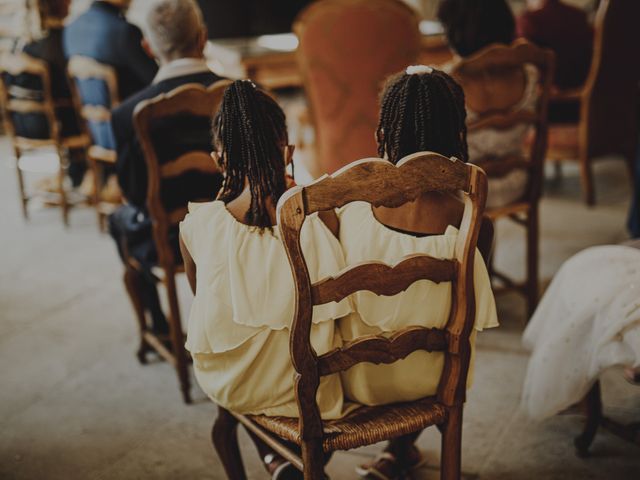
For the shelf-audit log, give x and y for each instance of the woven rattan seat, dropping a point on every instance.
(364, 426)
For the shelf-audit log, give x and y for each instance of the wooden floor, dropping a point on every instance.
(75, 404)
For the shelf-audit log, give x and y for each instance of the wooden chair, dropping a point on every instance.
(481, 76)
(380, 183)
(347, 48)
(15, 103)
(97, 116)
(608, 99)
(165, 112)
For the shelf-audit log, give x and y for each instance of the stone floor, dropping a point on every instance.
(75, 403)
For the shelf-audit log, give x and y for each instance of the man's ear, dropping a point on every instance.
(147, 48)
(202, 40)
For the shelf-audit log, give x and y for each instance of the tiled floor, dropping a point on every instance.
(75, 403)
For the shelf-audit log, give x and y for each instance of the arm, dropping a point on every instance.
(189, 265)
(130, 163)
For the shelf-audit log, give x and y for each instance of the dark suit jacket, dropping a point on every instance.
(103, 33)
(49, 49)
(565, 30)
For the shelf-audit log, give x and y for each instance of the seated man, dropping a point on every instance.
(49, 49)
(565, 30)
(176, 37)
(103, 33)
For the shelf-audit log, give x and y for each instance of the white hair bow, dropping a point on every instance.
(417, 69)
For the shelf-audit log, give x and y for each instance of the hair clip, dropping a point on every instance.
(418, 69)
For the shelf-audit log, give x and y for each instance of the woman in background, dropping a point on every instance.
(238, 331)
(470, 26)
(422, 109)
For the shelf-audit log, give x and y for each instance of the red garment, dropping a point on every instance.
(566, 31)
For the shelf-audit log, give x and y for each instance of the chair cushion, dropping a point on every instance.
(363, 426)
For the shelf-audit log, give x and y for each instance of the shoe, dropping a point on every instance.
(111, 192)
(387, 467)
(48, 184)
(88, 185)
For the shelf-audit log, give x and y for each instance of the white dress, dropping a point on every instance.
(587, 321)
(424, 303)
(240, 319)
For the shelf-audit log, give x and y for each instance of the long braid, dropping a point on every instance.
(250, 128)
(422, 111)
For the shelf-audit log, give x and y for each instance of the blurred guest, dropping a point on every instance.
(633, 223)
(587, 321)
(104, 34)
(565, 30)
(470, 26)
(176, 36)
(49, 49)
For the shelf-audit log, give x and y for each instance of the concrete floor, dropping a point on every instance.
(75, 403)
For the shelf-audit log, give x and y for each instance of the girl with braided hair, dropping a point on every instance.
(238, 331)
(422, 109)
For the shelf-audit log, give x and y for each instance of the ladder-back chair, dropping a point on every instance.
(38, 104)
(94, 88)
(347, 49)
(608, 121)
(179, 174)
(480, 76)
(379, 183)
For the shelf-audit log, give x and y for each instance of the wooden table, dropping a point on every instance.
(270, 60)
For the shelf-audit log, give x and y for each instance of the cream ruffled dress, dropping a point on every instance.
(424, 303)
(238, 331)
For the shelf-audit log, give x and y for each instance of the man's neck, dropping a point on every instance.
(166, 61)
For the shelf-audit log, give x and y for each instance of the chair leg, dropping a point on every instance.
(96, 193)
(224, 436)
(64, 203)
(533, 239)
(132, 284)
(313, 460)
(177, 337)
(586, 176)
(450, 467)
(23, 195)
(593, 404)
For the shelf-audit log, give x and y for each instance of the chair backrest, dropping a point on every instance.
(94, 88)
(19, 102)
(381, 183)
(347, 48)
(609, 107)
(494, 82)
(174, 130)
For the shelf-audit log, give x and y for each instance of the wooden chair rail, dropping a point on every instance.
(200, 161)
(383, 279)
(378, 349)
(26, 106)
(506, 119)
(381, 183)
(506, 57)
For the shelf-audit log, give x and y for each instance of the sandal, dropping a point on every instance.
(280, 469)
(385, 466)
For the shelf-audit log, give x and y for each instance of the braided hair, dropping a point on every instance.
(250, 129)
(422, 111)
